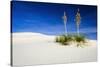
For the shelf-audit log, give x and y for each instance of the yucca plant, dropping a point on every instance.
(65, 22)
(78, 20)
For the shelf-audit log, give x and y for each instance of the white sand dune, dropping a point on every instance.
(36, 48)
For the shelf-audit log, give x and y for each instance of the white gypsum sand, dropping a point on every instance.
(36, 48)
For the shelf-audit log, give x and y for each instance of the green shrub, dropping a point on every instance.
(80, 39)
(57, 39)
(66, 39)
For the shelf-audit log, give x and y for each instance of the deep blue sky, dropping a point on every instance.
(46, 18)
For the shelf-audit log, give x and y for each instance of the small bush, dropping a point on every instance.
(80, 39)
(57, 39)
(66, 39)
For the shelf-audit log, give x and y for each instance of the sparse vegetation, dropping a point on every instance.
(76, 38)
(80, 39)
(66, 39)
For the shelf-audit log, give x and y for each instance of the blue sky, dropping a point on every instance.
(46, 18)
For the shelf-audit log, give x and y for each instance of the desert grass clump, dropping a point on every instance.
(60, 39)
(68, 39)
(79, 39)
(64, 39)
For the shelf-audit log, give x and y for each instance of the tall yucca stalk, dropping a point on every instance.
(78, 20)
(65, 21)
